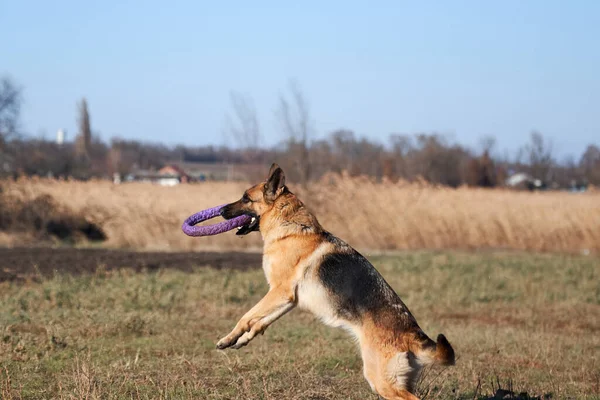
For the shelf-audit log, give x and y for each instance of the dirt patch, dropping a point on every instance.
(17, 264)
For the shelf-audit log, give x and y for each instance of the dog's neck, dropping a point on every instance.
(288, 217)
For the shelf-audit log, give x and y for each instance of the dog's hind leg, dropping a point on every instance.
(388, 391)
(275, 304)
(402, 395)
(391, 376)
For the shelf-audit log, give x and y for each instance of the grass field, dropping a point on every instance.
(521, 321)
(373, 216)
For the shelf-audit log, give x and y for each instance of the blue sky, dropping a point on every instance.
(163, 71)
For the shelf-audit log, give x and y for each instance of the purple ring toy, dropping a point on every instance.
(224, 226)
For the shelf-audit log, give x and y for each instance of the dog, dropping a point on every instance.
(308, 267)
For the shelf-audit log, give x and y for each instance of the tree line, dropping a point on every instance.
(425, 156)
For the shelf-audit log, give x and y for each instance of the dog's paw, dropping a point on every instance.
(226, 342)
(243, 340)
(240, 336)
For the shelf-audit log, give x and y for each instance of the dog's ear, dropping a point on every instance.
(275, 182)
(274, 166)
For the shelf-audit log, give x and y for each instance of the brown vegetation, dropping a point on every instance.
(40, 217)
(369, 215)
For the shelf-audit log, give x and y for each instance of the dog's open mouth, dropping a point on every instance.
(251, 226)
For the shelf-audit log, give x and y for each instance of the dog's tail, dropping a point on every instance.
(444, 353)
(440, 352)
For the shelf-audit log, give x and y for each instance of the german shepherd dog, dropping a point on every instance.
(308, 267)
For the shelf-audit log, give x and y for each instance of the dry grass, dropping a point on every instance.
(368, 215)
(41, 218)
(529, 322)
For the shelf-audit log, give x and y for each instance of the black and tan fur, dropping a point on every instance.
(308, 267)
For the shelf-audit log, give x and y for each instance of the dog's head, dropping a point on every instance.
(257, 200)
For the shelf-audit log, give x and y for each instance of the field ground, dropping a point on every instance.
(526, 322)
(35, 263)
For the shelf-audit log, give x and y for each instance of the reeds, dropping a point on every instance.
(367, 214)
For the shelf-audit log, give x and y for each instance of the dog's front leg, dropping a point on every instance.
(276, 303)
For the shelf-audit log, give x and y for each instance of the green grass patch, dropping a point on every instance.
(530, 322)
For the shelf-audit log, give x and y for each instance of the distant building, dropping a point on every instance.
(60, 136)
(221, 171)
(164, 179)
(522, 180)
(174, 171)
(185, 172)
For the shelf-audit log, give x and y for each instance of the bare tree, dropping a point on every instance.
(10, 107)
(481, 171)
(590, 164)
(243, 126)
(487, 143)
(86, 161)
(84, 139)
(294, 117)
(538, 153)
(401, 146)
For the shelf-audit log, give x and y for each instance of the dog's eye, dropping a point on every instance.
(245, 198)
